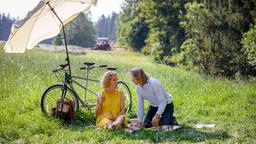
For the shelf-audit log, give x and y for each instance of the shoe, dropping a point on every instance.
(174, 127)
(168, 128)
(174, 121)
(133, 127)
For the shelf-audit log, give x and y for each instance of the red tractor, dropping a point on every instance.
(102, 44)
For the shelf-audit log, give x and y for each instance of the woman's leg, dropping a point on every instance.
(167, 116)
(104, 122)
(149, 116)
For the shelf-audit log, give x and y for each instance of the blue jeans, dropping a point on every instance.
(166, 119)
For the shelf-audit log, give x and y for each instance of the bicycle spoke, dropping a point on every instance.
(52, 95)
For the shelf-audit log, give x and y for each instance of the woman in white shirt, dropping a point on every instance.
(161, 104)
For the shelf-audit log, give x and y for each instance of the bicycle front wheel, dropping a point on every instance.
(121, 86)
(53, 94)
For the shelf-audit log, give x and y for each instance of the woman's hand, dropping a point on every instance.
(113, 117)
(155, 121)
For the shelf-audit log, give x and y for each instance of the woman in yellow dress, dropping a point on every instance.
(110, 108)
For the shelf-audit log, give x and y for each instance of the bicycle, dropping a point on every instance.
(67, 89)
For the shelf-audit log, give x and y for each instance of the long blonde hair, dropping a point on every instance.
(106, 78)
(139, 74)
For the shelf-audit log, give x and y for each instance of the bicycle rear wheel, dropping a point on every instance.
(52, 94)
(127, 94)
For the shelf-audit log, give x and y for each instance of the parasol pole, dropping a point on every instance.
(65, 41)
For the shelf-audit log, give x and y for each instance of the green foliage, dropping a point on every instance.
(58, 40)
(216, 30)
(249, 43)
(189, 54)
(138, 34)
(201, 33)
(124, 22)
(227, 103)
(131, 29)
(165, 33)
(6, 22)
(80, 32)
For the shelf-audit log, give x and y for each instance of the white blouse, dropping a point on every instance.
(154, 92)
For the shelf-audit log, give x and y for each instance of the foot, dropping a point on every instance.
(109, 126)
(116, 126)
(133, 127)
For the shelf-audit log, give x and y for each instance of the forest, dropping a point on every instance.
(215, 37)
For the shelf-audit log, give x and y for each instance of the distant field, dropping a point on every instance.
(230, 104)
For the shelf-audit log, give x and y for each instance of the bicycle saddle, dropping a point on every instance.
(111, 68)
(89, 63)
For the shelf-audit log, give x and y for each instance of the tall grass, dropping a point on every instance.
(230, 104)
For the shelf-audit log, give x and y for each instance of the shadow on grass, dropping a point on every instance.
(82, 120)
(187, 134)
(87, 120)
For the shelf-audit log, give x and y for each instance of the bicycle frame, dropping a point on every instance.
(70, 80)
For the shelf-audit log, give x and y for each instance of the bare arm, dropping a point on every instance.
(122, 105)
(100, 100)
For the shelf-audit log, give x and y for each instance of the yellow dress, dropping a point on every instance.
(111, 106)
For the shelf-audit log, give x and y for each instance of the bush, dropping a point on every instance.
(249, 44)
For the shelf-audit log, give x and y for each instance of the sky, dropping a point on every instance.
(19, 8)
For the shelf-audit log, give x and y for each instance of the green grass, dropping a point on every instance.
(230, 104)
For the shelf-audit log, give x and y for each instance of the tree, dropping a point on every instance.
(105, 26)
(112, 27)
(5, 26)
(216, 29)
(165, 33)
(101, 26)
(79, 32)
(249, 44)
(132, 30)
(58, 40)
(202, 33)
(138, 34)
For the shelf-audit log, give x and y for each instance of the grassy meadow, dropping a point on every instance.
(230, 104)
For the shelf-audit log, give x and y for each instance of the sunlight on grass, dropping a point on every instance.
(230, 104)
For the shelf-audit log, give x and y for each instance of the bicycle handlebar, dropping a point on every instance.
(61, 67)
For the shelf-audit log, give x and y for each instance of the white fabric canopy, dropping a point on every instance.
(41, 23)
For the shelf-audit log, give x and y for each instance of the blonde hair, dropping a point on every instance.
(139, 74)
(106, 78)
